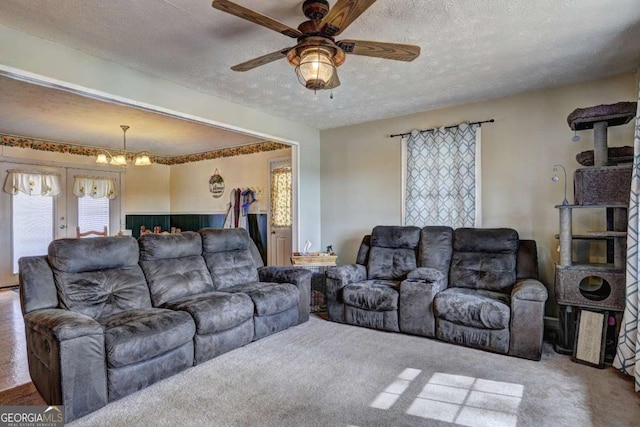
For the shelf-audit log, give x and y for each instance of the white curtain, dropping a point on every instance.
(443, 177)
(628, 352)
(95, 187)
(32, 183)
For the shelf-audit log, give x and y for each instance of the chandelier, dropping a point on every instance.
(122, 158)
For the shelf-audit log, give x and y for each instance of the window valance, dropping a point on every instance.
(95, 187)
(32, 183)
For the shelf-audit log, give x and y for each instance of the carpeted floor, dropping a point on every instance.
(328, 374)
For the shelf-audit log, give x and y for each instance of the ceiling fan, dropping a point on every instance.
(317, 55)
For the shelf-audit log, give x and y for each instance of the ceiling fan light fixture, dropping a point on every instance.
(317, 54)
(316, 68)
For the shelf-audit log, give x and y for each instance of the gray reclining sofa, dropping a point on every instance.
(475, 287)
(108, 316)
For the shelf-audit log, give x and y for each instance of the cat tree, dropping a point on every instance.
(604, 184)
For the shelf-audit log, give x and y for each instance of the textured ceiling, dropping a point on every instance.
(50, 114)
(471, 50)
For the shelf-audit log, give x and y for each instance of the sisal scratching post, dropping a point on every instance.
(601, 151)
(565, 236)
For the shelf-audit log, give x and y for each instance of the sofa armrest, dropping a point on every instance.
(529, 290)
(345, 274)
(67, 360)
(338, 278)
(426, 274)
(527, 319)
(284, 274)
(416, 302)
(62, 324)
(299, 277)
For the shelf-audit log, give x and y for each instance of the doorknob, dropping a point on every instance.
(62, 227)
(273, 232)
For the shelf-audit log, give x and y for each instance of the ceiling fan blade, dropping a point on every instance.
(255, 17)
(334, 82)
(262, 60)
(342, 14)
(396, 51)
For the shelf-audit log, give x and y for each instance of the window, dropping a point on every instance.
(94, 196)
(93, 214)
(281, 197)
(32, 225)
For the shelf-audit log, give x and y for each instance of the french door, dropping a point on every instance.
(30, 223)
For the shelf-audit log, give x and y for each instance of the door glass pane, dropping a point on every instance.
(32, 226)
(93, 214)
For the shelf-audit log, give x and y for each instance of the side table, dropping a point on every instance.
(318, 265)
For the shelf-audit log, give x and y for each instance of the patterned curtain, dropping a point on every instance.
(95, 187)
(442, 186)
(628, 352)
(281, 197)
(32, 183)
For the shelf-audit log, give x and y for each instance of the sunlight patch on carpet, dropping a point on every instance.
(468, 401)
(388, 397)
(462, 400)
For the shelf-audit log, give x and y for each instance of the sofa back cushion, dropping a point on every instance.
(174, 266)
(436, 248)
(393, 252)
(484, 258)
(527, 260)
(228, 256)
(98, 277)
(363, 252)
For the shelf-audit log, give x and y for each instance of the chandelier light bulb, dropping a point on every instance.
(105, 157)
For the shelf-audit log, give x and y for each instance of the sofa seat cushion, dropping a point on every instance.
(476, 308)
(269, 298)
(375, 295)
(142, 334)
(215, 311)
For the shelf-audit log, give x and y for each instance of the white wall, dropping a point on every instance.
(147, 190)
(361, 165)
(190, 181)
(24, 54)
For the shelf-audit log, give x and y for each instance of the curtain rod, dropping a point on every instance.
(446, 127)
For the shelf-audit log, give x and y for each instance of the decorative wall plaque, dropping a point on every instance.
(216, 184)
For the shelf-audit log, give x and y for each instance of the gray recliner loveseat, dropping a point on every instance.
(475, 287)
(108, 316)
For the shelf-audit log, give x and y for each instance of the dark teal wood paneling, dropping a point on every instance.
(185, 222)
